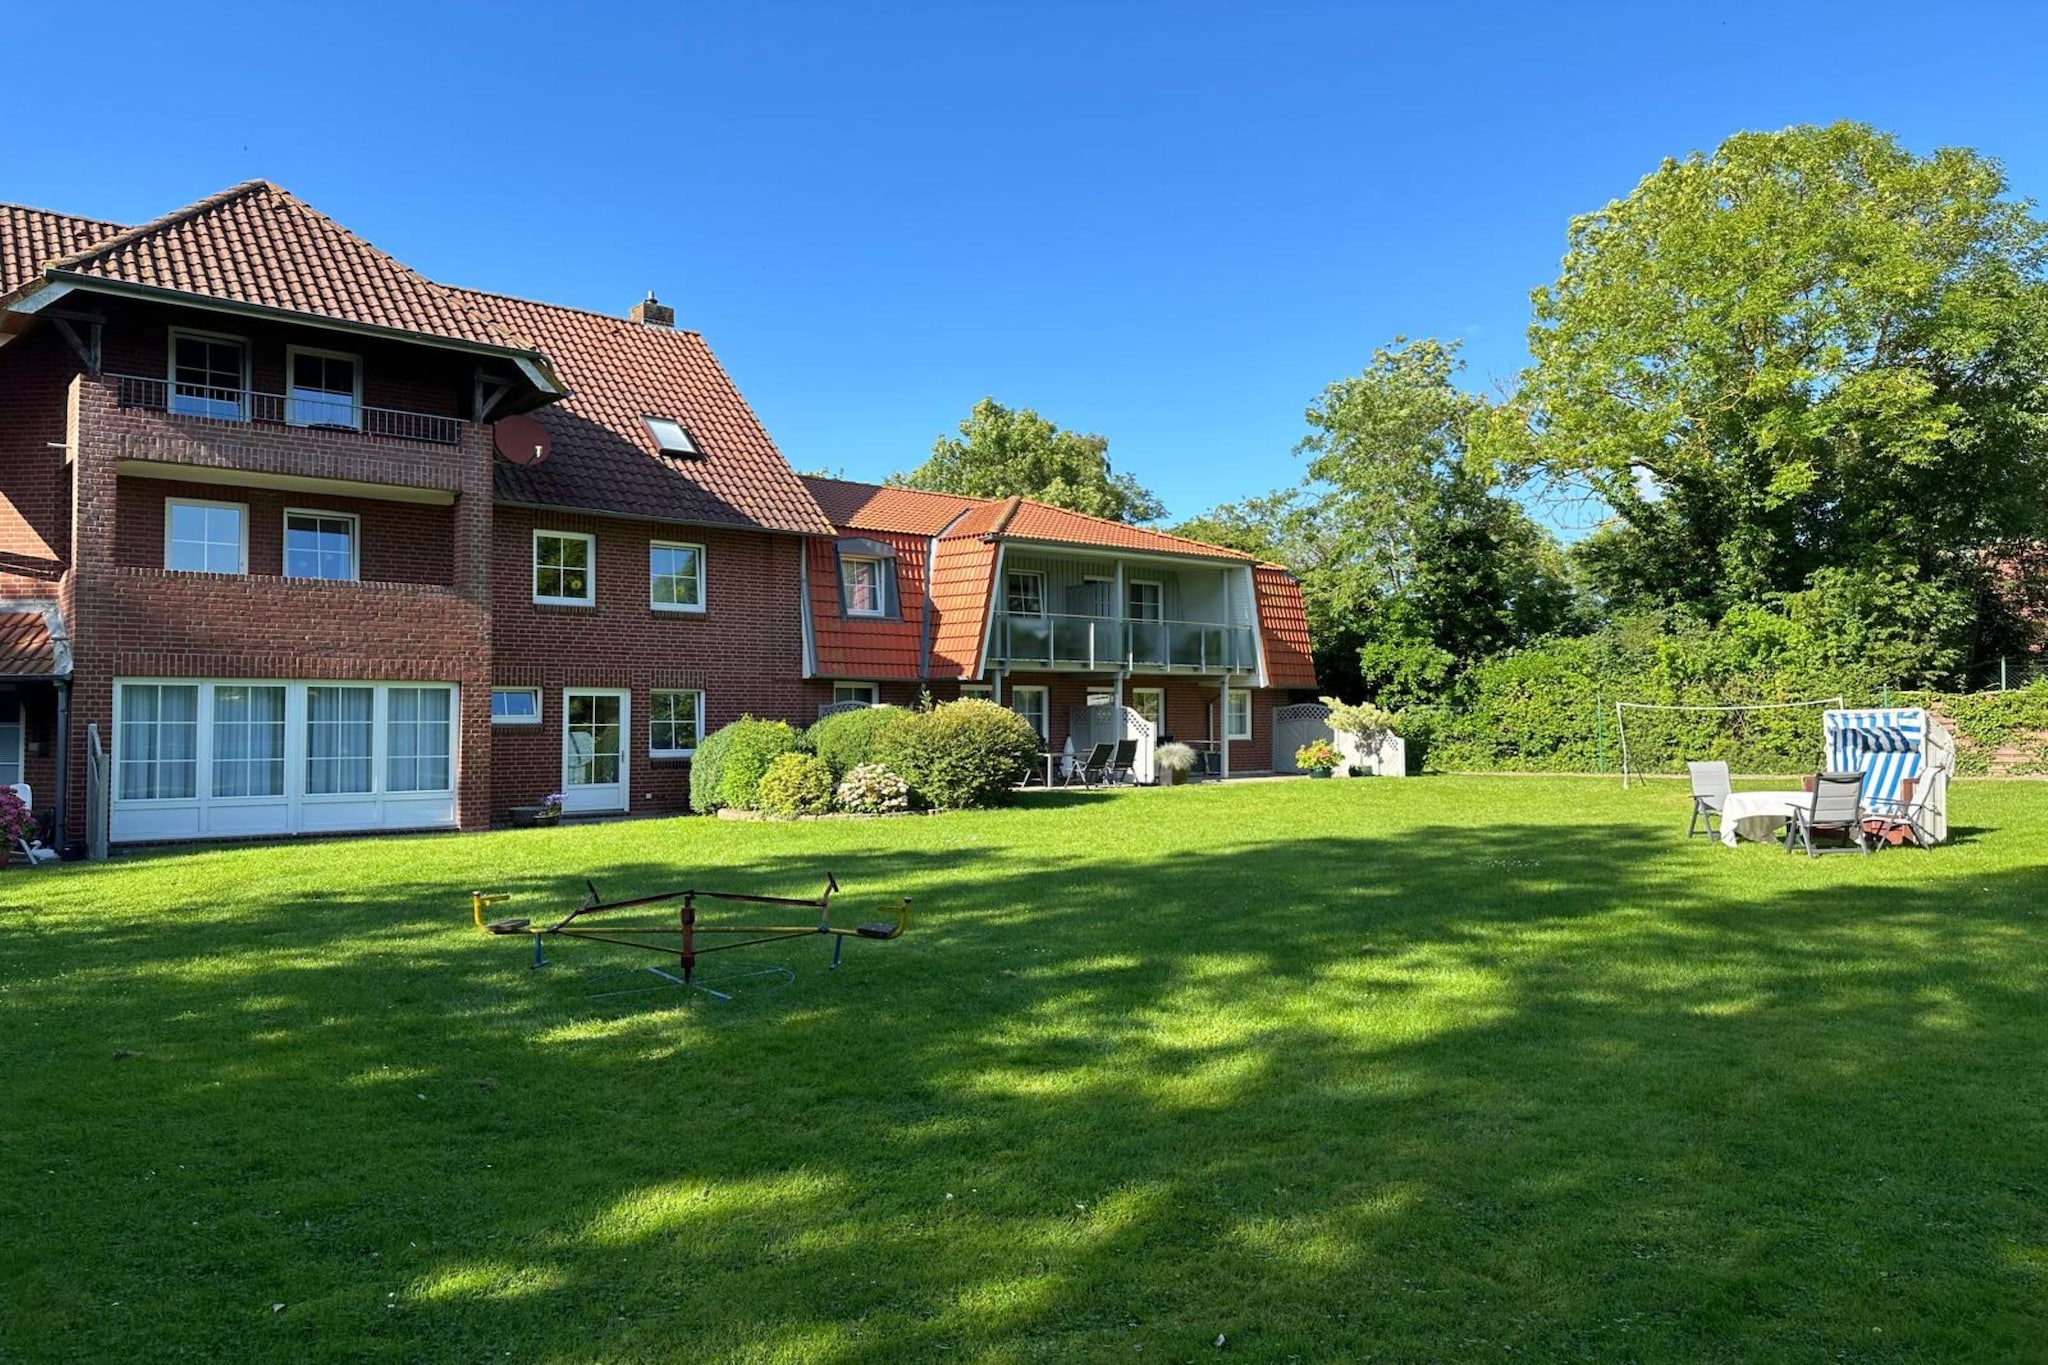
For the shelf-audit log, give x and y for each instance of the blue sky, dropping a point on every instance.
(1169, 223)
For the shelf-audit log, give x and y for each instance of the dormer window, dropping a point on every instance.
(867, 578)
(670, 438)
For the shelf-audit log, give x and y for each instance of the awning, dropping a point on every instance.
(29, 645)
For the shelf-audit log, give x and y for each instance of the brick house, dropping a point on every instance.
(312, 543)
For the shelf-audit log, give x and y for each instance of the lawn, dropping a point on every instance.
(1452, 1069)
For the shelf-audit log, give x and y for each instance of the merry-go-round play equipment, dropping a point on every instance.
(684, 938)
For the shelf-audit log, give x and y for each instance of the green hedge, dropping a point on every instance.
(846, 739)
(961, 754)
(795, 784)
(729, 763)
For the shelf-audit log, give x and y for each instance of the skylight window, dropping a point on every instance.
(669, 436)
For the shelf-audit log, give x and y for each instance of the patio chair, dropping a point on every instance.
(1897, 819)
(33, 849)
(1093, 770)
(1123, 764)
(1835, 808)
(1710, 791)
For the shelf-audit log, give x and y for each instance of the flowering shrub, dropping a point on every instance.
(551, 804)
(795, 784)
(1318, 756)
(16, 820)
(871, 789)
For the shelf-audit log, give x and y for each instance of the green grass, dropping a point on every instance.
(1451, 1069)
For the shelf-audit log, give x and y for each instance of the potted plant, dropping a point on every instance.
(546, 812)
(1318, 758)
(17, 822)
(1174, 762)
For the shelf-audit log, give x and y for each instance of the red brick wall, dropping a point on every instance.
(35, 481)
(400, 542)
(744, 651)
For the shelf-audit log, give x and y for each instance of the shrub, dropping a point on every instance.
(961, 754)
(17, 821)
(1317, 756)
(1175, 757)
(729, 763)
(871, 789)
(847, 739)
(795, 784)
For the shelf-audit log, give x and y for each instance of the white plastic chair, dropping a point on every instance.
(32, 849)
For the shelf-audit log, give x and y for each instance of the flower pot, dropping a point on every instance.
(527, 817)
(1318, 772)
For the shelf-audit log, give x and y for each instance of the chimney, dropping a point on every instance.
(653, 313)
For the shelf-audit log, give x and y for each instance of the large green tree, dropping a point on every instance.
(1809, 350)
(1415, 561)
(1013, 452)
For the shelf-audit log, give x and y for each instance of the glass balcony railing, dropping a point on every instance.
(1109, 642)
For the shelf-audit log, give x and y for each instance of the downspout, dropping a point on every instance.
(63, 822)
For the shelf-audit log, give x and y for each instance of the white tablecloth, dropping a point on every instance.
(1758, 815)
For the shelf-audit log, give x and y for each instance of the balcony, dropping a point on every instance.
(1104, 643)
(309, 411)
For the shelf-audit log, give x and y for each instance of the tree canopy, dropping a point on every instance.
(1810, 349)
(1013, 452)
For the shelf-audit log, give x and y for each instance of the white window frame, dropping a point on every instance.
(241, 507)
(291, 356)
(1158, 725)
(517, 722)
(1044, 695)
(589, 599)
(1009, 595)
(687, 449)
(652, 719)
(981, 691)
(875, 562)
(872, 691)
(355, 544)
(695, 608)
(20, 756)
(1131, 583)
(1230, 730)
(171, 373)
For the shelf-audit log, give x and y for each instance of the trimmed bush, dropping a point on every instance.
(731, 760)
(795, 784)
(871, 789)
(960, 755)
(847, 739)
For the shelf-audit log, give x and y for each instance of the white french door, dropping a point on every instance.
(594, 725)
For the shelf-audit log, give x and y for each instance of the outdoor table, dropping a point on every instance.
(1758, 815)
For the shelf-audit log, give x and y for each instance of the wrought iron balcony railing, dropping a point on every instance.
(1105, 642)
(312, 410)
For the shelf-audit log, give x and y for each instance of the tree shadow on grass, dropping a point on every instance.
(1428, 1096)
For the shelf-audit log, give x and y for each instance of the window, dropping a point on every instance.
(1030, 703)
(562, 568)
(981, 691)
(860, 581)
(320, 545)
(864, 693)
(10, 738)
(339, 733)
(676, 720)
(416, 745)
(209, 376)
(323, 389)
(206, 537)
(1025, 593)
(515, 706)
(669, 436)
(1147, 600)
(675, 576)
(1237, 715)
(156, 748)
(248, 741)
(1150, 702)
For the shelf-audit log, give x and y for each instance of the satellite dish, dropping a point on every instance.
(520, 439)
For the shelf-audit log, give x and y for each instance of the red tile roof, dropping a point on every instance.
(869, 647)
(31, 238)
(875, 507)
(963, 574)
(601, 456)
(26, 650)
(1057, 525)
(255, 244)
(1283, 628)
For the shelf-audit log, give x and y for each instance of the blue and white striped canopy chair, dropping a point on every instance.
(1892, 747)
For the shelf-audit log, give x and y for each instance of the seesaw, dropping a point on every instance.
(680, 939)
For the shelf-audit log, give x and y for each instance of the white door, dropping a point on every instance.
(594, 723)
